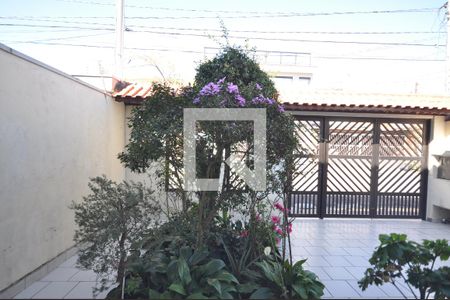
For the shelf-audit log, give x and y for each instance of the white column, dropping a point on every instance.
(120, 28)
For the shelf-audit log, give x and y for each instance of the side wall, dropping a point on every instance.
(55, 133)
(438, 189)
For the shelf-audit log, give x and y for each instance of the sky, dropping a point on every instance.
(389, 46)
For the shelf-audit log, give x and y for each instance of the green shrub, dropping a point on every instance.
(174, 273)
(110, 220)
(400, 259)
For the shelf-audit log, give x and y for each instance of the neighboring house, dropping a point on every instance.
(362, 155)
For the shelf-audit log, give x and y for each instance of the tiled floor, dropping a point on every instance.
(337, 251)
(65, 282)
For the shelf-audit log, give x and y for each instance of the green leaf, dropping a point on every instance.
(300, 290)
(215, 284)
(185, 252)
(198, 257)
(183, 271)
(262, 293)
(228, 277)
(213, 266)
(247, 288)
(152, 294)
(197, 295)
(177, 288)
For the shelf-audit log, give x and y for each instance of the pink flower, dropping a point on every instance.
(277, 240)
(244, 233)
(258, 217)
(279, 206)
(276, 220)
(289, 229)
(279, 231)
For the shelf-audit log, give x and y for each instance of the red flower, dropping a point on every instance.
(279, 206)
(244, 233)
(276, 220)
(279, 231)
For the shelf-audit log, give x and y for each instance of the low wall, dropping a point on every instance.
(438, 189)
(55, 133)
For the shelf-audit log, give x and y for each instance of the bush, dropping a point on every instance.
(109, 221)
(397, 258)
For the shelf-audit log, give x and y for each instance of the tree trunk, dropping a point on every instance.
(122, 259)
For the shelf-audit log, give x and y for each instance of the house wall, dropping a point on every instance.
(55, 133)
(168, 201)
(438, 205)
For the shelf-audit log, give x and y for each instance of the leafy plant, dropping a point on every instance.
(274, 278)
(414, 263)
(187, 274)
(109, 221)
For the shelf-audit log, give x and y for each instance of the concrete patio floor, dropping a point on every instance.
(337, 251)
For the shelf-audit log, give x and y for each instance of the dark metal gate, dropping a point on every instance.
(348, 167)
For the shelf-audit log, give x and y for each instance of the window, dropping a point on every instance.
(443, 170)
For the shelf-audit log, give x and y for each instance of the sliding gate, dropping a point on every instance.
(359, 168)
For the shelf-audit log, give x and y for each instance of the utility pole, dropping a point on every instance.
(120, 28)
(447, 11)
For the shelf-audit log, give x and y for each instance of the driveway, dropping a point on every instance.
(337, 251)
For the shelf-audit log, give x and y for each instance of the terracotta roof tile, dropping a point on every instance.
(331, 101)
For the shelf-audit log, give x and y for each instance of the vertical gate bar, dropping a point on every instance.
(424, 169)
(323, 166)
(301, 199)
(374, 169)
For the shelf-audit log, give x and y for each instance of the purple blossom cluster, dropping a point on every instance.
(211, 89)
(260, 99)
(232, 88)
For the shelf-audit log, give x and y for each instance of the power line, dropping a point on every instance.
(253, 14)
(64, 38)
(54, 26)
(295, 40)
(241, 31)
(264, 38)
(201, 52)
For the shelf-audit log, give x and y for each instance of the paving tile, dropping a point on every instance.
(340, 289)
(316, 250)
(326, 294)
(55, 290)
(60, 274)
(317, 261)
(31, 290)
(390, 290)
(337, 261)
(355, 251)
(83, 275)
(70, 263)
(358, 261)
(370, 293)
(299, 251)
(338, 273)
(320, 272)
(357, 272)
(336, 251)
(83, 290)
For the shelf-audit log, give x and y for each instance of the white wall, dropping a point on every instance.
(55, 133)
(438, 189)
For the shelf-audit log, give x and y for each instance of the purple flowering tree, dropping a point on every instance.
(231, 80)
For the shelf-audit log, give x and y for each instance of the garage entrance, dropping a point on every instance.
(348, 167)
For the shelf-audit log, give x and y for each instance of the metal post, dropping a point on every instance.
(447, 7)
(120, 28)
